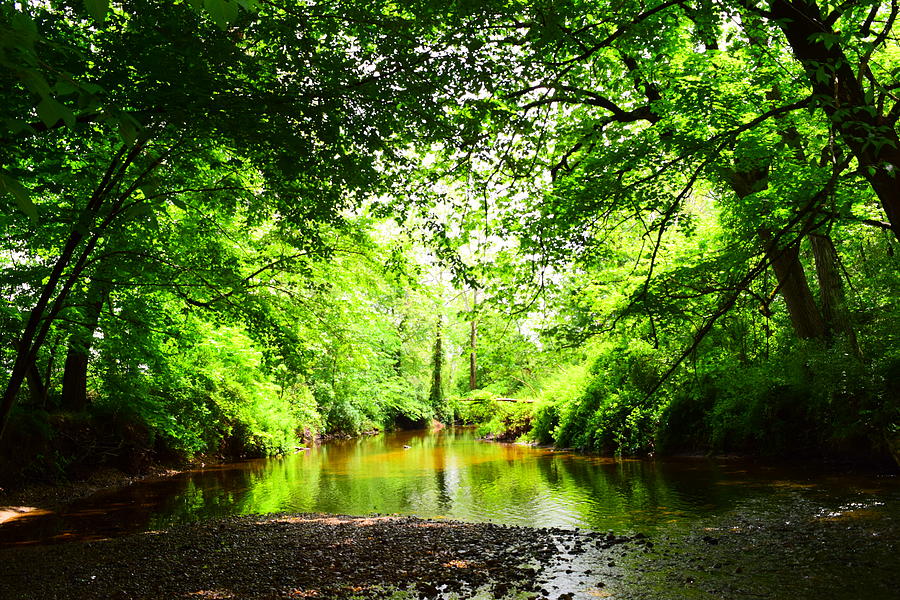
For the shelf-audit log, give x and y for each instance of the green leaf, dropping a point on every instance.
(68, 117)
(222, 12)
(16, 126)
(64, 87)
(35, 82)
(135, 211)
(127, 130)
(97, 9)
(23, 23)
(149, 188)
(50, 111)
(20, 194)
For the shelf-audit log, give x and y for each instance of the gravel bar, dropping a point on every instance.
(317, 556)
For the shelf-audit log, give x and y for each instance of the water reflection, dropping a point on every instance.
(451, 474)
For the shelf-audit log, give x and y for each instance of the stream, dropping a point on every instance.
(784, 531)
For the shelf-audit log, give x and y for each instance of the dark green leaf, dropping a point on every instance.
(50, 111)
(97, 9)
(8, 185)
(222, 12)
(135, 211)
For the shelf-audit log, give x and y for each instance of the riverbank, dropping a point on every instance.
(42, 496)
(314, 555)
(807, 556)
(661, 530)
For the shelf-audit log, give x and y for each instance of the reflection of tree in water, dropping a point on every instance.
(450, 475)
(618, 495)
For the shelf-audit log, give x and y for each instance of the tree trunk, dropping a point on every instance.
(805, 316)
(36, 386)
(436, 395)
(831, 291)
(74, 390)
(37, 389)
(869, 134)
(58, 285)
(806, 319)
(473, 357)
(473, 366)
(398, 353)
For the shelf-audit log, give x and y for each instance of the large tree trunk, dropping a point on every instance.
(869, 134)
(831, 291)
(792, 284)
(74, 390)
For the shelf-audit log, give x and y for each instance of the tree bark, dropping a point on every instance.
(436, 395)
(37, 389)
(74, 390)
(806, 319)
(871, 136)
(36, 386)
(473, 357)
(831, 291)
(57, 286)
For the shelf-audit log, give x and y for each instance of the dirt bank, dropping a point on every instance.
(51, 496)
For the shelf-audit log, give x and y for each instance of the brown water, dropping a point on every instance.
(450, 474)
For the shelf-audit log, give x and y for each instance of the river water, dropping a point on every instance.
(717, 528)
(451, 474)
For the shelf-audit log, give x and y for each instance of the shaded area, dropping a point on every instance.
(795, 550)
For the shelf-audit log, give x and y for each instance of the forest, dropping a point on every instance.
(630, 227)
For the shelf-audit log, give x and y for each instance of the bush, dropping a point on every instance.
(479, 406)
(560, 390)
(614, 414)
(208, 393)
(811, 400)
(508, 421)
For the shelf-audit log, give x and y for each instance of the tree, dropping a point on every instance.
(162, 103)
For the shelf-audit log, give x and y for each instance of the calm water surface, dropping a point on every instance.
(450, 474)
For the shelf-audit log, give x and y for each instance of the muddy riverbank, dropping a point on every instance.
(27, 497)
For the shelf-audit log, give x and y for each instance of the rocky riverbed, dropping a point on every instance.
(811, 555)
(319, 556)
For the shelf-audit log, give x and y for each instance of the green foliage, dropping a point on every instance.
(247, 218)
(810, 401)
(478, 406)
(614, 414)
(206, 392)
(496, 418)
(559, 391)
(506, 421)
